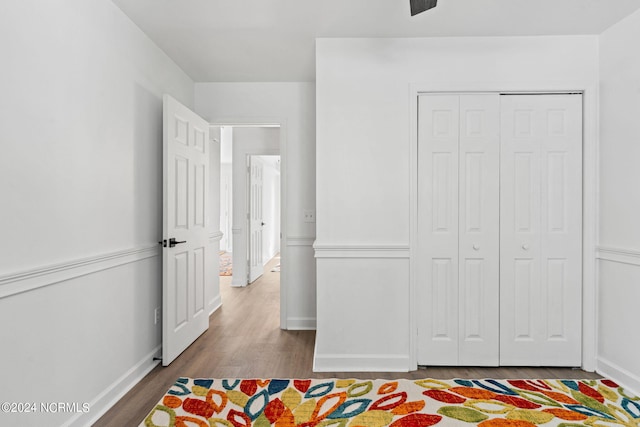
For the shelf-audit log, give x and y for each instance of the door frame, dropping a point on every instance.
(284, 232)
(590, 183)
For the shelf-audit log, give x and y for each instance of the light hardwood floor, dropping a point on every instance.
(244, 340)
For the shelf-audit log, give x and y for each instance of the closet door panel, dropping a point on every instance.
(437, 290)
(479, 146)
(561, 230)
(540, 233)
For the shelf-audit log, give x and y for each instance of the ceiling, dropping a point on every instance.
(274, 40)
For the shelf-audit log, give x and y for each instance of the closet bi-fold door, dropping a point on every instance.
(458, 207)
(541, 229)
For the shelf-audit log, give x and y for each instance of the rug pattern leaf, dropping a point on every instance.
(396, 403)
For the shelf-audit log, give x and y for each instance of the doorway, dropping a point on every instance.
(249, 151)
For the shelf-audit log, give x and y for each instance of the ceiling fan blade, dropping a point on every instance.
(418, 6)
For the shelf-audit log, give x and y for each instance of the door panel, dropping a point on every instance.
(443, 328)
(185, 220)
(438, 136)
(523, 299)
(541, 230)
(256, 222)
(458, 204)
(478, 229)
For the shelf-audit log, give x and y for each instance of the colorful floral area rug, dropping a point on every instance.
(226, 267)
(401, 403)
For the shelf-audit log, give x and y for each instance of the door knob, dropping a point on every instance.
(173, 242)
(525, 247)
(476, 247)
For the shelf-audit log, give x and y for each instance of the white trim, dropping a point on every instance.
(301, 324)
(215, 304)
(300, 241)
(361, 363)
(626, 379)
(361, 251)
(261, 123)
(590, 185)
(413, 227)
(38, 277)
(590, 215)
(113, 393)
(216, 236)
(620, 255)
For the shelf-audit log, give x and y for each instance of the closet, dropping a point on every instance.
(499, 229)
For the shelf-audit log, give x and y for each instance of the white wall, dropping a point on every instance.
(81, 183)
(226, 191)
(365, 168)
(619, 264)
(226, 207)
(292, 105)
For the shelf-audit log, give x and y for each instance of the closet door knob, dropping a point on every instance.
(476, 247)
(525, 247)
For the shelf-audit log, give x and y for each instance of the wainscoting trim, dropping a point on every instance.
(38, 277)
(362, 251)
(216, 236)
(300, 241)
(620, 255)
(112, 394)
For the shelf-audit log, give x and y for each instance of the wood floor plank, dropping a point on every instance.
(244, 340)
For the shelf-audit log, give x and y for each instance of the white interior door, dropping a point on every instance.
(541, 230)
(256, 218)
(438, 135)
(185, 266)
(458, 165)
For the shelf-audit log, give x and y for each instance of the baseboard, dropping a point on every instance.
(360, 363)
(301, 323)
(237, 282)
(112, 394)
(215, 304)
(626, 379)
(268, 259)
